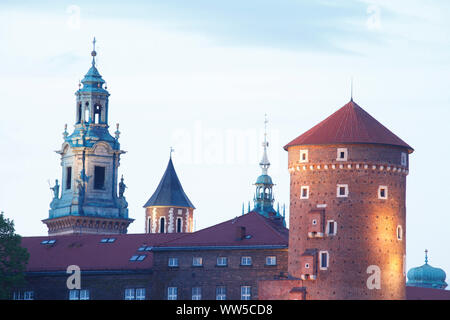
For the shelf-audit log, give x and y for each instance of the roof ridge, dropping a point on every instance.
(271, 227)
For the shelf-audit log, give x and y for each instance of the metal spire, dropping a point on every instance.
(426, 256)
(171, 150)
(93, 53)
(351, 90)
(265, 164)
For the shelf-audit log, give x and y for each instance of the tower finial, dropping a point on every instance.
(426, 256)
(265, 164)
(93, 53)
(171, 150)
(351, 90)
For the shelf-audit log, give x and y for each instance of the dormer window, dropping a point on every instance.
(303, 155)
(304, 192)
(342, 154)
(382, 192)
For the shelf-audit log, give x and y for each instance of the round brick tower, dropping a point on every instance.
(169, 210)
(347, 208)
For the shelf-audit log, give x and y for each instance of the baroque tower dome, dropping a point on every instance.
(427, 276)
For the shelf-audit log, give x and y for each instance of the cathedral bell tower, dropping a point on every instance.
(89, 201)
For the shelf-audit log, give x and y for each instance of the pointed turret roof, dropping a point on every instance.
(350, 124)
(169, 191)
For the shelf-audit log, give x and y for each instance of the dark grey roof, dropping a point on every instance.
(169, 191)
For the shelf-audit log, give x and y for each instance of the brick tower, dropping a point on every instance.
(169, 210)
(347, 211)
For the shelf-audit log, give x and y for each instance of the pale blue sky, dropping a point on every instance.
(189, 74)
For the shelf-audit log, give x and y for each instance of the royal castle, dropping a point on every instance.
(347, 223)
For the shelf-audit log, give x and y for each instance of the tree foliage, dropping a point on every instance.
(13, 258)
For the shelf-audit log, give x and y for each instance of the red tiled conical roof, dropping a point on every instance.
(350, 124)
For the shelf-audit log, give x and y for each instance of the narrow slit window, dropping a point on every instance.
(382, 192)
(162, 225)
(304, 192)
(179, 224)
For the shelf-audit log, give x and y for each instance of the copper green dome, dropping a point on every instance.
(426, 276)
(264, 179)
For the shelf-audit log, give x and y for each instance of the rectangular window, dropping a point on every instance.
(99, 178)
(140, 294)
(382, 192)
(323, 260)
(342, 154)
(304, 192)
(79, 294)
(221, 293)
(246, 261)
(173, 262)
(196, 293)
(331, 228)
(303, 155)
(172, 293)
(271, 261)
(197, 261)
(222, 261)
(246, 292)
(27, 295)
(404, 160)
(68, 178)
(129, 294)
(342, 190)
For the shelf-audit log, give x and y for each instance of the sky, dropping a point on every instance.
(200, 75)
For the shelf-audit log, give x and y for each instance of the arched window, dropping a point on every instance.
(86, 112)
(149, 225)
(179, 224)
(97, 113)
(162, 225)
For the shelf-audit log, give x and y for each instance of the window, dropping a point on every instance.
(138, 257)
(79, 113)
(342, 190)
(222, 261)
(404, 159)
(342, 154)
(307, 265)
(79, 294)
(246, 261)
(314, 222)
(172, 293)
(196, 293)
(26, 295)
(108, 240)
(221, 293)
(271, 261)
(99, 178)
(179, 224)
(246, 292)
(382, 192)
(86, 112)
(97, 113)
(324, 260)
(303, 155)
(149, 226)
(173, 262)
(399, 233)
(162, 225)
(304, 192)
(48, 241)
(331, 227)
(68, 178)
(135, 294)
(197, 261)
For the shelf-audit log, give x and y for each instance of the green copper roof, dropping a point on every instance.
(427, 276)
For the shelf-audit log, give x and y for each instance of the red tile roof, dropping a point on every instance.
(89, 253)
(262, 231)
(350, 124)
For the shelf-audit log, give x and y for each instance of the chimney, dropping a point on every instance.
(240, 232)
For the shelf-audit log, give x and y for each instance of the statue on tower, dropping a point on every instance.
(55, 189)
(122, 187)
